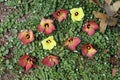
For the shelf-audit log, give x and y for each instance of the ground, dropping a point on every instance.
(17, 15)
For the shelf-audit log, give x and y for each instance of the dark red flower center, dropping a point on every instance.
(71, 39)
(46, 25)
(29, 59)
(88, 26)
(58, 13)
(76, 13)
(27, 36)
(88, 47)
(48, 41)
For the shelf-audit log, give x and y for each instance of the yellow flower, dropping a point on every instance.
(49, 43)
(77, 14)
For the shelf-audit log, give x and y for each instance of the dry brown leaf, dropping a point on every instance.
(103, 18)
(118, 41)
(112, 21)
(108, 1)
(114, 72)
(103, 26)
(116, 6)
(109, 9)
(100, 15)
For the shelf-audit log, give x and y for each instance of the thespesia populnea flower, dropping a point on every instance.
(50, 60)
(88, 50)
(72, 43)
(60, 15)
(77, 14)
(46, 26)
(27, 62)
(49, 43)
(90, 27)
(26, 36)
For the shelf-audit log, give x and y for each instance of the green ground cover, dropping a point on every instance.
(72, 66)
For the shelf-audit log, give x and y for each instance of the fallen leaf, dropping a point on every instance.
(112, 21)
(108, 1)
(114, 72)
(103, 26)
(118, 42)
(116, 6)
(102, 17)
(109, 9)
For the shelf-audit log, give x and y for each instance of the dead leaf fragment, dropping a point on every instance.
(103, 26)
(116, 6)
(108, 1)
(118, 42)
(109, 9)
(102, 17)
(112, 21)
(114, 72)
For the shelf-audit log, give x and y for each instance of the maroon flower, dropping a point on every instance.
(46, 26)
(72, 43)
(88, 50)
(60, 15)
(26, 36)
(50, 61)
(27, 62)
(90, 27)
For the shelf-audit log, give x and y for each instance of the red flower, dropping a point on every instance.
(72, 43)
(27, 62)
(26, 36)
(60, 14)
(88, 50)
(50, 61)
(90, 27)
(46, 26)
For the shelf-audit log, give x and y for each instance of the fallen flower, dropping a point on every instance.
(90, 27)
(46, 26)
(26, 36)
(27, 62)
(72, 43)
(77, 14)
(50, 60)
(88, 50)
(49, 43)
(60, 15)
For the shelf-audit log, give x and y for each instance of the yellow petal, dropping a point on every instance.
(79, 16)
(49, 45)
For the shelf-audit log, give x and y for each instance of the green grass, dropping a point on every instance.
(73, 66)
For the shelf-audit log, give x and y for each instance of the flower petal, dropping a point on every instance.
(49, 43)
(72, 43)
(60, 15)
(46, 26)
(22, 61)
(50, 60)
(28, 67)
(26, 36)
(79, 16)
(88, 50)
